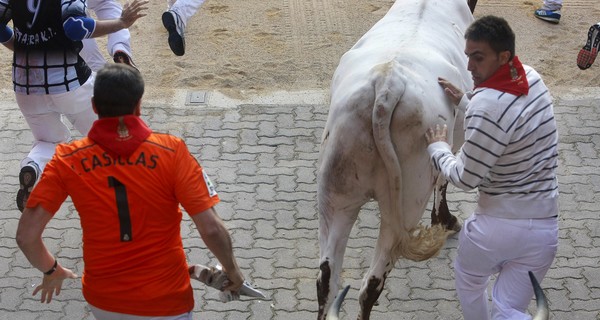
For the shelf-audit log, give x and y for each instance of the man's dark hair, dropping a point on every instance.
(495, 31)
(117, 90)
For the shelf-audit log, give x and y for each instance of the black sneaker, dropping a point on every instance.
(27, 179)
(174, 25)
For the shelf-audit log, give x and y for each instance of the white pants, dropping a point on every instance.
(107, 315)
(509, 248)
(44, 112)
(117, 41)
(553, 5)
(184, 8)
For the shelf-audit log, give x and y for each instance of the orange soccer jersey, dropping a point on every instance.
(130, 216)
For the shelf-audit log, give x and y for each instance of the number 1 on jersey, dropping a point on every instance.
(122, 208)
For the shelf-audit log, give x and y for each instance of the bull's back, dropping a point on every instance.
(435, 24)
(413, 32)
(417, 41)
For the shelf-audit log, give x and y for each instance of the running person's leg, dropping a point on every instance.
(47, 129)
(473, 266)
(538, 242)
(119, 43)
(76, 106)
(175, 20)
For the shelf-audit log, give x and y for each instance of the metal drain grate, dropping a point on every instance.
(195, 98)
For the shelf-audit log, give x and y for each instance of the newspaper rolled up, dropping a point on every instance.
(215, 277)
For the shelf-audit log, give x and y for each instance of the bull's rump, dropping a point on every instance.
(352, 170)
(413, 45)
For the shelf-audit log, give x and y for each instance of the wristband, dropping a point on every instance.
(49, 272)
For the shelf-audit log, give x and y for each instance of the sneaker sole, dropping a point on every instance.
(122, 57)
(548, 19)
(587, 55)
(176, 42)
(554, 18)
(27, 178)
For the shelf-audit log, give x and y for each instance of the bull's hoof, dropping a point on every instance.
(455, 226)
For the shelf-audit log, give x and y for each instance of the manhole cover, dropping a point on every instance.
(196, 97)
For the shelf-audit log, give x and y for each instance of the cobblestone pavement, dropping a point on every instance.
(262, 157)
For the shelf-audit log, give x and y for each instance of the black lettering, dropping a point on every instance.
(141, 159)
(153, 160)
(120, 161)
(96, 162)
(84, 166)
(107, 158)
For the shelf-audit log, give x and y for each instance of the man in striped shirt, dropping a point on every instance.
(510, 155)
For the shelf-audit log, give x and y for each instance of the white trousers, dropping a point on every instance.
(506, 247)
(184, 8)
(101, 314)
(44, 113)
(117, 41)
(553, 5)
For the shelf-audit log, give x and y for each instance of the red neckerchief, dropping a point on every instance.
(509, 78)
(119, 136)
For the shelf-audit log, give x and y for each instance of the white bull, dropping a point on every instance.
(384, 96)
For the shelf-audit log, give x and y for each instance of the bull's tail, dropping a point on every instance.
(419, 243)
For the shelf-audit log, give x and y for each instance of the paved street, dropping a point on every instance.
(262, 156)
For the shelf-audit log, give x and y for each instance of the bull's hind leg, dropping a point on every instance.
(440, 214)
(381, 266)
(334, 230)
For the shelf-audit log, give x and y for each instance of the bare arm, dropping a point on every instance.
(29, 238)
(131, 12)
(217, 239)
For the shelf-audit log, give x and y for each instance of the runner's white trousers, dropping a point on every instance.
(506, 247)
(44, 115)
(117, 41)
(553, 5)
(184, 8)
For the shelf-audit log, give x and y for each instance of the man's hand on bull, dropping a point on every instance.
(439, 133)
(453, 92)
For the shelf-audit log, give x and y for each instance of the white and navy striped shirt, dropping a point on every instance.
(510, 152)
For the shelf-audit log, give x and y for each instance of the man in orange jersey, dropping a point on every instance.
(126, 182)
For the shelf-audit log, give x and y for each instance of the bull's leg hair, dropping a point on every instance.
(334, 230)
(323, 287)
(381, 265)
(442, 215)
(368, 298)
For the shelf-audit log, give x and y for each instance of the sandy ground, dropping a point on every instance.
(250, 47)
